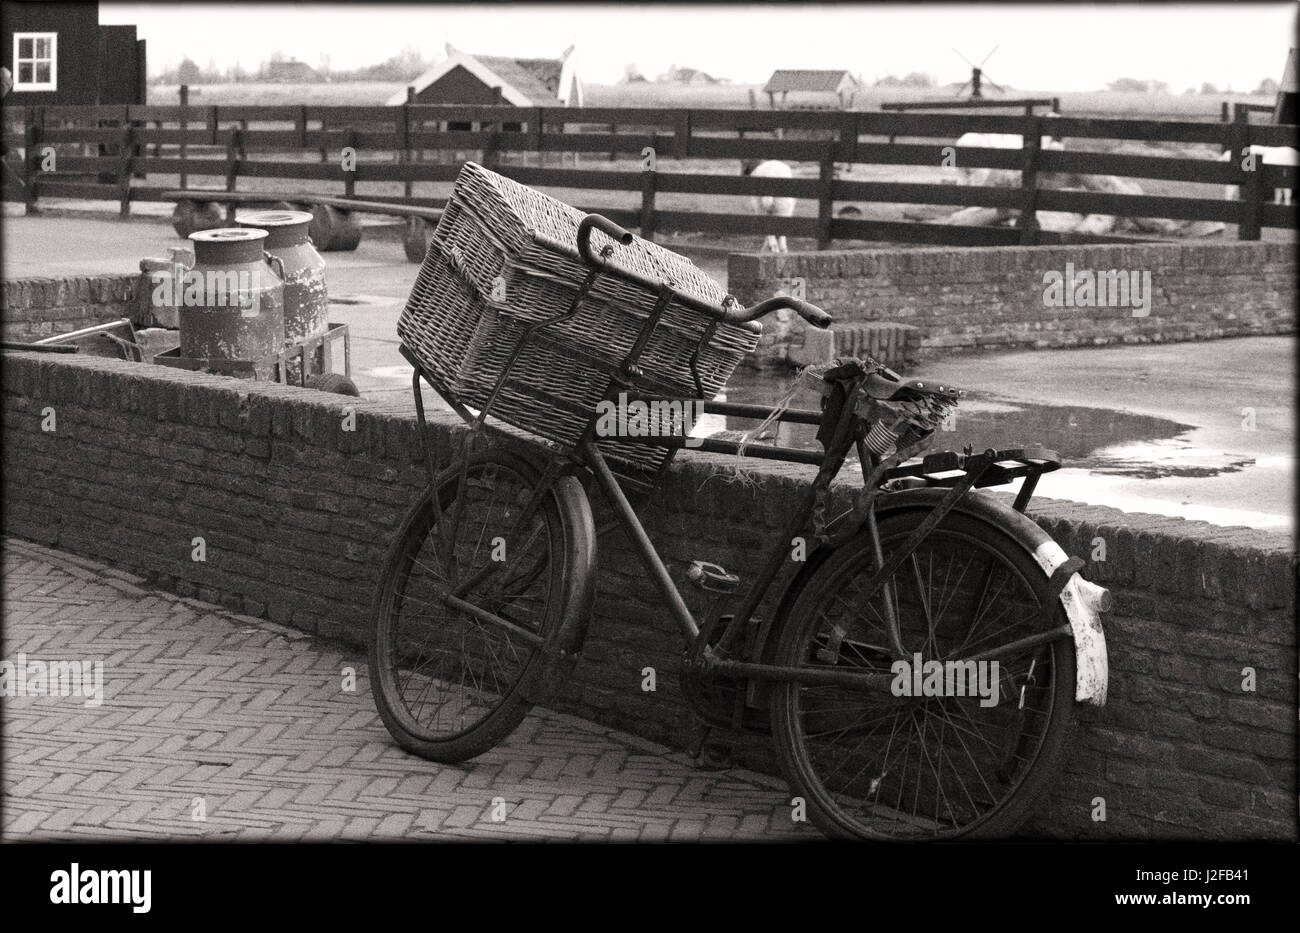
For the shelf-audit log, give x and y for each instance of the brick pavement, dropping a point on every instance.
(250, 720)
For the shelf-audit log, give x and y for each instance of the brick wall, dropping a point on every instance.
(296, 513)
(33, 308)
(994, 297)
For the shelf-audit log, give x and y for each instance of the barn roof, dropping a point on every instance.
(524, 82)
(796, 80)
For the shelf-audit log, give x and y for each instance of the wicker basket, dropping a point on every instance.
(504, 259)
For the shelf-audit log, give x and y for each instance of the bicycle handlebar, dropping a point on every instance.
(806, 310)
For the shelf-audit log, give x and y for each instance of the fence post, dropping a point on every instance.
(1033, 144)
(185, 126)
(350, 178)
(1250, 188)
(127, 166)
(825, 202)
(32, 159)
(234, 155)
(648, 204)
(404, 154)
(538, 116)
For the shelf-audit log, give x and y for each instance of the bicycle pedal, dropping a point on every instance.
(706, 576)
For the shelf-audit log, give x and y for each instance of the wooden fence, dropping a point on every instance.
(252, 142)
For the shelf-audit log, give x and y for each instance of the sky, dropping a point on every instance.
(1058, 47)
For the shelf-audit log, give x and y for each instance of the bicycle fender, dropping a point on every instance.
(561, 651)
(1082, 600)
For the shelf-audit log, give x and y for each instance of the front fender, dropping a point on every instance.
(1083, 601)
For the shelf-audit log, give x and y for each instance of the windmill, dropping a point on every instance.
(977, 76)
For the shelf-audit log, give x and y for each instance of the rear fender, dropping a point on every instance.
(1082, 601)
(561, 651)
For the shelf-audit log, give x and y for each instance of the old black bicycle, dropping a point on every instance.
(856, 669)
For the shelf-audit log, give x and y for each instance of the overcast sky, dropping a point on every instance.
(1064, 47)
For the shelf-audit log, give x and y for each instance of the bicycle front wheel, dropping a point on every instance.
(483, 570)
(951, 748)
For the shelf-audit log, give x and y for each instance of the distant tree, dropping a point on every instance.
(918, 79)
(632, 74)
(1267, 87)
(1208, 88)
(187, 72)
(1127, 85)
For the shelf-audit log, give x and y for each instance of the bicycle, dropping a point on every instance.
(486, 592)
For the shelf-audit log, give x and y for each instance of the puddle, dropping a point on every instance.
(1091, 441)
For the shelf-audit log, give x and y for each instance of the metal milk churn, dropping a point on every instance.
(306, 304)
(233, 300)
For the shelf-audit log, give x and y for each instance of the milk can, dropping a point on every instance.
(232, 306)
(306, 304)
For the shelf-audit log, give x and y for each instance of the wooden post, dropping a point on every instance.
(539, 116)
(350, 178)
(1251, 189)
(1223, 113)
(32, 158)
(234, 155)
(825, 200)
(185, 125)
(1033, 144)
(126, 163)
(404, 155)
(648, 205)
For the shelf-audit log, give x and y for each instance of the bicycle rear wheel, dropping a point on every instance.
(449, 676)
(938, 765)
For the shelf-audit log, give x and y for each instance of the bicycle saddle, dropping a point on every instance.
(883, 388)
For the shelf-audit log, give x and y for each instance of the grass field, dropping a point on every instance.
(722, 96)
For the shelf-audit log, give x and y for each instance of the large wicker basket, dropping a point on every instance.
(503, 259)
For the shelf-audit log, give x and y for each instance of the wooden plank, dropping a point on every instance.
(705, 222)
(265, 168)
(740, 185)
(82, 134)
(897, 193)
(175, 137)
(79, 190)
(283, 113)
(1204, 171)
(1146, 130)
(712, 147)
(1130, 205)
(191, 166)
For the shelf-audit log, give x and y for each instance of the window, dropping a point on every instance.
(35, 61)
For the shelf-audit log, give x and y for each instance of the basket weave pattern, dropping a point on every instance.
(501, 240)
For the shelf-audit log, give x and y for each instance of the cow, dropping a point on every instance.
(1268, 155)
(767, 204)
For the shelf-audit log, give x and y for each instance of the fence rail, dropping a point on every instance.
(390, 144)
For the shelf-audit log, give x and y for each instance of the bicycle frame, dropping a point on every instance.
(981, 470)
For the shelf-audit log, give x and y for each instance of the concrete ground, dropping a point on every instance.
(220, 726)
(1217, 472)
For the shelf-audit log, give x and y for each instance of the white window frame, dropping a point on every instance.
(53, 83)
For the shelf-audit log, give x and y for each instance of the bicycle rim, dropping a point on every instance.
(447, 682)
(921, 766)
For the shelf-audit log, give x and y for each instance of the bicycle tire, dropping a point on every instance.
(549, 582)
(871, 802)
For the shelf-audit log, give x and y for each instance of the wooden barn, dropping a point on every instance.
(58, 53)
(463, 78)
(811, 90)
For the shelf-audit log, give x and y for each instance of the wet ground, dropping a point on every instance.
(1202, 430)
